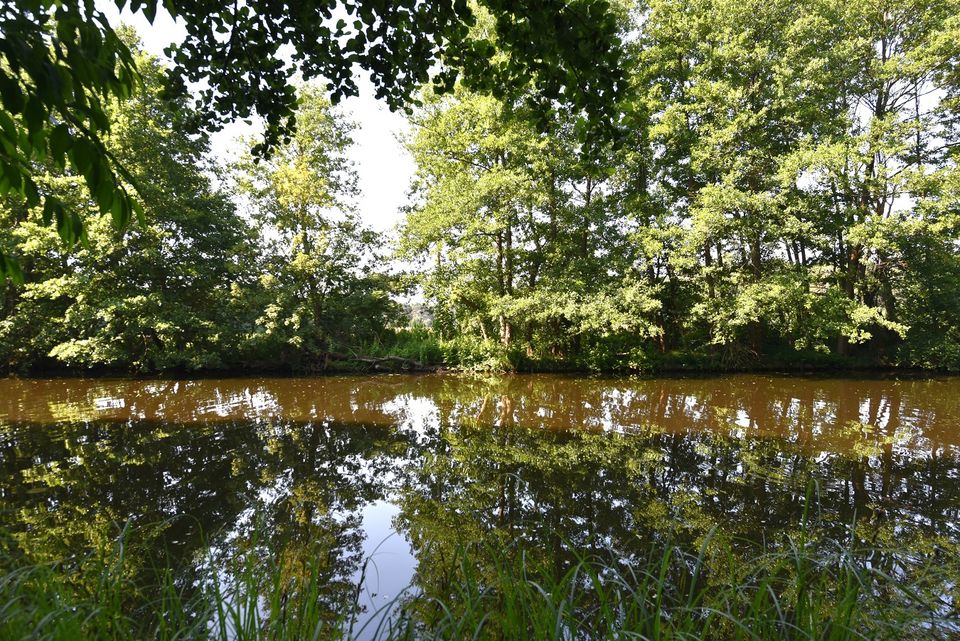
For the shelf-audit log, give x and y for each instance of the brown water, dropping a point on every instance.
(403, 468)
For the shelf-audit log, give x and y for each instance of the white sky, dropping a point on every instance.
(383, 165)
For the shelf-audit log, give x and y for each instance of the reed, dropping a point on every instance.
(793, 591)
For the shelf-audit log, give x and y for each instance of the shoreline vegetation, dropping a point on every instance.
(667, 366)
(372, 366)
(800, 588)
(426, 355)
(782, 192)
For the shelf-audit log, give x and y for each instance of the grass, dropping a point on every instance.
(794, 591)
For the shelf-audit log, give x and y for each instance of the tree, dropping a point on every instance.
(785, 185)
(874, 147)
(516, 231)
(317, 289)
(151, 299)
(61, 61)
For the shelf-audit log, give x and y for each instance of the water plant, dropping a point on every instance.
(798, 589)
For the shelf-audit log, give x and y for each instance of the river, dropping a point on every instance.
(385, 476)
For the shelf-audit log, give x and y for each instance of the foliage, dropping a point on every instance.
(146, 300)
(783, 190)
(664, 594)
(787, 186)
(192, 287)
(317, 288)
(60, 66)
(520, 243)
(61, 62)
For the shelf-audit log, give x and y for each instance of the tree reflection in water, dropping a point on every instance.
(564, 464)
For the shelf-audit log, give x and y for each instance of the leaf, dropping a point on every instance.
(82, 155)
(35, 114)
(10, 268)
(138, 211)
(60, 144)
(119, 212)
(50, 206)
(12, 94)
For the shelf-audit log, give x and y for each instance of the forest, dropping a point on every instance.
(775, 186)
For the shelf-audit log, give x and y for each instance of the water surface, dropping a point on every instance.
(388, 476)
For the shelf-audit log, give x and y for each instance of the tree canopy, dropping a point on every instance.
(787, 185)
(61, 62)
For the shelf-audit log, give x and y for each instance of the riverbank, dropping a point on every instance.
(437, 358)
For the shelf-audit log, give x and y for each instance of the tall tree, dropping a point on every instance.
(786, 185)
(61, 60)
(519, 241)
(317, 290)
(870, 163)
(152, 299)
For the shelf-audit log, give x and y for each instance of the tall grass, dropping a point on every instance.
(794, 591)
(668, 594)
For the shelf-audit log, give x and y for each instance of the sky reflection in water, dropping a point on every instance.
(408, 468)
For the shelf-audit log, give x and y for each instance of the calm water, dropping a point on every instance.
(403, 470)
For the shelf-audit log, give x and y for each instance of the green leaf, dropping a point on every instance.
(12, 94)
(35, 114)
(60, 144)
(120, 211)
(138, 211)
(82, 155)
(10, 268)
(50, 207)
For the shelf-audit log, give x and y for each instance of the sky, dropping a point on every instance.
(383, 166)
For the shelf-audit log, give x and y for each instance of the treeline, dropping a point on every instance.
(784, 192)
(262, 265)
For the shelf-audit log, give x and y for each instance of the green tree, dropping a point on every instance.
(521, 245)
(785, 186)
(877, 143)
(61, 62)
(151, 299)
(318, 291)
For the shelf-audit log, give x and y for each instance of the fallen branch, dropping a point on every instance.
(379, 363)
